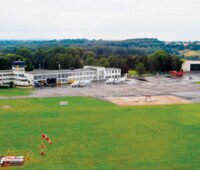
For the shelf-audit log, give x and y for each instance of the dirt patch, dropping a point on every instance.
(5, 107)
(147, 100)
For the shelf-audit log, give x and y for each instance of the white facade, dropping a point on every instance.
(60, 76)
(103, 73)
(112, 73)
(188, 64)
(22, 78)
(6, 76)
(18, 79)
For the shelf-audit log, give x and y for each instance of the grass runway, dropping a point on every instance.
(95, 134)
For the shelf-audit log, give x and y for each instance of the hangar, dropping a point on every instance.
(190, 65)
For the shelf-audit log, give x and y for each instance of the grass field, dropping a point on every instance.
(15, 92)
(132, 73)
(94, 134)
(190, 53)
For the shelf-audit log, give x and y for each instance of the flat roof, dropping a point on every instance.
(96, 67)
(56, 71)
(90, 66)
(6, 71)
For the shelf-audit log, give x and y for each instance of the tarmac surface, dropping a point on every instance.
(185, 88)
(154, 86)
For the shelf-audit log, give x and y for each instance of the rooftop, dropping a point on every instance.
(97, 67)
(56, 71)
(89, 68)
(112, 69)
(6, 71)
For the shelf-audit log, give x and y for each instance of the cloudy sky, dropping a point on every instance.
(100, 19)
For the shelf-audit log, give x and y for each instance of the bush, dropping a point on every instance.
(4, 86)
(11, 84)
(140, 69)
(132, 73)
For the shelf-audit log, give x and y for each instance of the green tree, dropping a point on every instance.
(65, 61)
(74, 51)
(24, 52)
(41, 57)
(88, 54)
(114, 61)
(103, 62)
(162, 61)
(90, 60)
(57, 50)
(140, 69)
(176, 63)
(9, 58)
(154, 62)
(3, 64)
(77, 62)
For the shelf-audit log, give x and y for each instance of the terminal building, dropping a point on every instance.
(20, 77)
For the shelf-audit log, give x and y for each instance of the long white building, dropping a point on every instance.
(20, 77)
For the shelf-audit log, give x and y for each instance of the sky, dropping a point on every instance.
(169, 20)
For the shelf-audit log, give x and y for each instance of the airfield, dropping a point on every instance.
(181, 88)
(93, 132)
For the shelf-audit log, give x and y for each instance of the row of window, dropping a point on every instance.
(114, 76)
(113, 71)
(11, 75)
(80, 78)
(66, 75)
(12, 79)
(6, 75)
(6, 79)
(74, 74)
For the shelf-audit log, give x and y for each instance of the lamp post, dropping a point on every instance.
(43, 63)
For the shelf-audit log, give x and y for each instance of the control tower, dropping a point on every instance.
(18, 67)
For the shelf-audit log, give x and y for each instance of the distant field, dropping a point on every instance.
(190, 53)
(94, 134)
(132, 73)
(15, 92)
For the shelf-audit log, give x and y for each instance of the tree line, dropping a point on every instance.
(76, 57)
(12, 45)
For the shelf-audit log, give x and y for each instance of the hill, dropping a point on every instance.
(131, 43)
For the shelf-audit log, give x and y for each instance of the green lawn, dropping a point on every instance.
(94, 134)
(15, 92)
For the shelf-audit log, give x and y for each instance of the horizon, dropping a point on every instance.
(45, 39)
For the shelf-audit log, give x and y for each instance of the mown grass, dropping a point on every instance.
(15, 92)
(94, 134)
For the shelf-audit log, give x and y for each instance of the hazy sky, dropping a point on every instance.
(100, 19)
